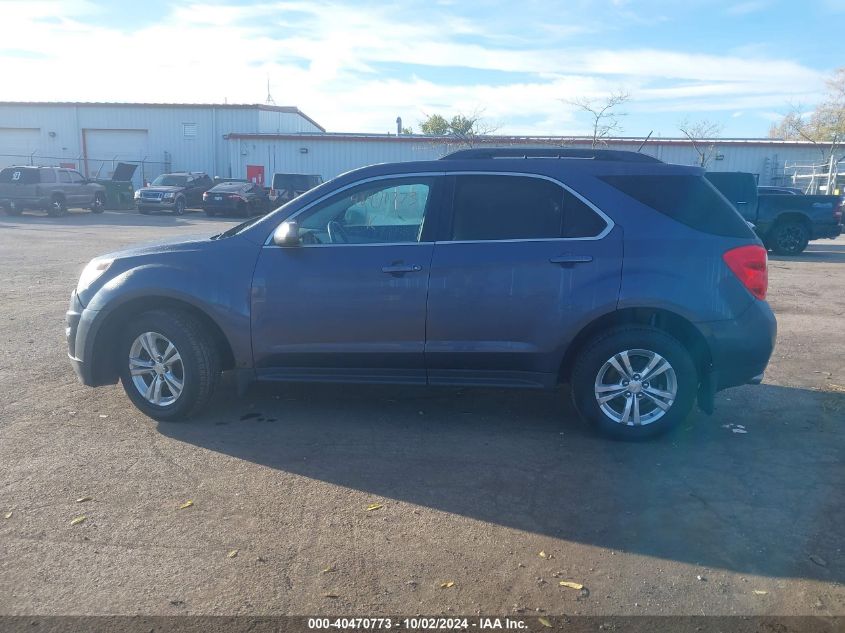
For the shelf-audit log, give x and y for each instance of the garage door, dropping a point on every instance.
(105, 148)
(17, 143)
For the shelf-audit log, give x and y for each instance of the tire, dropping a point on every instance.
(99, 204)
(243, 210)
(179, 207)
(57, 208)
(789, 238)
(593, 370)
(197, 369)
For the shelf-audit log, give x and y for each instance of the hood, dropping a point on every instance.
(123, 172)
(162, 189)
(160, 247)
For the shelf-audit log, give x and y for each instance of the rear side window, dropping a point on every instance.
(19, 176)
(488, 207)
(689, 199)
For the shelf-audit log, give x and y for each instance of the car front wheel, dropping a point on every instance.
(634, 382)
(179, 209)
(169, 365)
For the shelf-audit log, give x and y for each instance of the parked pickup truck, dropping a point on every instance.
(51, 189)
(785, 223)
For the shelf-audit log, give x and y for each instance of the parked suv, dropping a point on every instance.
(286, 187)
(51, 189)
(173, 192)
(633, 280)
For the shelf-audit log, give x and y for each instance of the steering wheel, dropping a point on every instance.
(337, 234)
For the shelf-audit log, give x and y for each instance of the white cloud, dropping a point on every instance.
(326, 58)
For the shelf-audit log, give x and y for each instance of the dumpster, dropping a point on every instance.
(120, 194)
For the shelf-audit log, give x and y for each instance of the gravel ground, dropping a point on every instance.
(504, 494)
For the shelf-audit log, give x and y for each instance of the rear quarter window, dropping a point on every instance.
(689, 199)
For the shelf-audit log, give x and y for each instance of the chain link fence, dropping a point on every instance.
(146, 170)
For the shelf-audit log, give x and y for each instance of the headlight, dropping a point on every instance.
(138, 194)
(168, 195)
(92, 272)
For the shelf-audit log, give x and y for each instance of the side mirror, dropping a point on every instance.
(287, 234)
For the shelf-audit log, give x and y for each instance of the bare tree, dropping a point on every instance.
(604, 118)
(824, 127)
(701, 135)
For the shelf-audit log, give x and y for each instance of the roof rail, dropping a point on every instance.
(548, 152)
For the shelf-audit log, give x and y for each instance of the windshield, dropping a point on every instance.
(169, 180)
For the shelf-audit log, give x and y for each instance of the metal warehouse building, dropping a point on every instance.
(253, 141)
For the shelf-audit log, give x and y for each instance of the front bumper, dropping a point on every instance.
(80, 326)
(740, 348)
(152, 204)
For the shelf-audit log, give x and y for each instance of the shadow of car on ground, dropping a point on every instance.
(757, 488)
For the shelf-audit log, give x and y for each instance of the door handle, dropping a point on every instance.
(399, 269)
(571, 260)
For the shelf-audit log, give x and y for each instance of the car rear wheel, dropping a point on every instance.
(179, 208)
(634, 382)
(789, 238)
(169, 365)
(99, 204)
(57, 208)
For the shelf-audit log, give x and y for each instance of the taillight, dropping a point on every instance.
(837, 211)
(750, 265)
(205, 195)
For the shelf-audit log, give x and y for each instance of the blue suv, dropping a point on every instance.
(632, 280)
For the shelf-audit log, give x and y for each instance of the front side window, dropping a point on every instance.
(495, 207)
(75, 177)
(385, 211)
(64, 176)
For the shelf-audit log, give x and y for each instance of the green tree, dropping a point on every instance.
(461, 127)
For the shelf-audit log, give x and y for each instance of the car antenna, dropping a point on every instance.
(645, 140)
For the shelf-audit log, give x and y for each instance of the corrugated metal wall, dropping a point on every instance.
(330, 156)
(178, 138)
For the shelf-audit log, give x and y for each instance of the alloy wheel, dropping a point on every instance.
(156, 368)
(636, 387)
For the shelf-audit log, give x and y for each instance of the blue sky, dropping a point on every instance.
(355, 66)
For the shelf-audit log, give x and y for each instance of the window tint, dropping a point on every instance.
(689, 199)
(506, 208)
(380, 212)
(48, 175)
(19, 176)
(579, 220)
(64, 176)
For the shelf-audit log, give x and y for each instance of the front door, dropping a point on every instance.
(349, 302)
(515, 272)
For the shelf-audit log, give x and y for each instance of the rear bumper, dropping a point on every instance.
(740, 348)
(25, 203)
(826, 232)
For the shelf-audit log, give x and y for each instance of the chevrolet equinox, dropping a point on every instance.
(632, 280)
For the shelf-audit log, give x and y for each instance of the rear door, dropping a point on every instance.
(518, 266)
